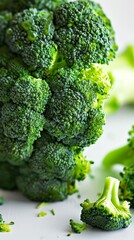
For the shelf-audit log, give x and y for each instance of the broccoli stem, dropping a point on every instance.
(115, 190)
(123, 156)
(108, 187)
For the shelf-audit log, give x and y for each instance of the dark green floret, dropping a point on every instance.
(83, 33)
(107, 213)
(77, 227)
(8, 175)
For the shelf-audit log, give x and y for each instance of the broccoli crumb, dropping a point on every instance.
(53, 212)
(69, 234)
(77, 227)
(41, 205)
(42, 214)
(1, 200)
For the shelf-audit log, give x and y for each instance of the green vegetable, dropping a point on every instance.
(42, 214)
(107, 213)
(121, 73)
(52, 92)
(124, 156)
(53, 212)
(77, 227)
(4, 227)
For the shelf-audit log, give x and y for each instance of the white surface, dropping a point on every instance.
(24, 213)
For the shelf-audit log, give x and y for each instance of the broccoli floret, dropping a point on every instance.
(21, 123)
(8, 175)
(5, 18)
(6, 82)
(77, 227)
(5, 227)
(19, 5)
(30, 92)
(76, 105)
(30, 35)
(107, 213)
(38, 189)
(83, 33)
(125, 157)
(121, 73)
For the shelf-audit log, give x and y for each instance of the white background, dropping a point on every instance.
(24, 213)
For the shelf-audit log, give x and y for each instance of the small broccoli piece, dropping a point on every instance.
(83, 33)
(77, 227)
(38, 189)
(121, 73)
(21, 123)
(8, 175)
(5, 18)
(19, 5)
(125, 157)
(30, 92)
(107, 213)
(30, 35)
(75, 107)
(42, 214)
(1, 200)
(5, 227)
(53, 212)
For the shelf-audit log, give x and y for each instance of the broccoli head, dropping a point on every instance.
(30, 35)
(5, 18)
(107, 213)
(74, 114)
(83, 33)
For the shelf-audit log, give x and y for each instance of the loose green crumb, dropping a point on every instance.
(52, 211)
(79, 196)
(69, 234)
(77, 227)
(4, 227)
(1, 200)
(42, 214)
(11, 223)
(40, 205)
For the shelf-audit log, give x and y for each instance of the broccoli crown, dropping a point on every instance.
(107, 213)
(19, 5)
(21, 123)
(127, 185)
(30, 92)
(5, 18)
(83, 33)
(123, 155)
(8, 175)
(30, 35)
(76, 105)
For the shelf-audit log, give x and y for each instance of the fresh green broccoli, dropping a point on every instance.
(121, 73)
(107, 213)
(83, 33)
(30, 35)
(4, 227)
(54, 164)
(52, 91)
(77, 227)
(5, 18)
(125, 157)
(76, 105)
(19, 5)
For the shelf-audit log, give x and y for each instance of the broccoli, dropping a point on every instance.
(125, 157)
(19, 5)
(52, 170)
(3, 226)
(30, 34)
(74, 115)
(77, 227)
(8, 175)
(121, 73)
(107, 213)
(83, 33)
(52, 92)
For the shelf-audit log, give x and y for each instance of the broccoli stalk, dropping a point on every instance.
(107, 213)
(125, 157)
(121, 72)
